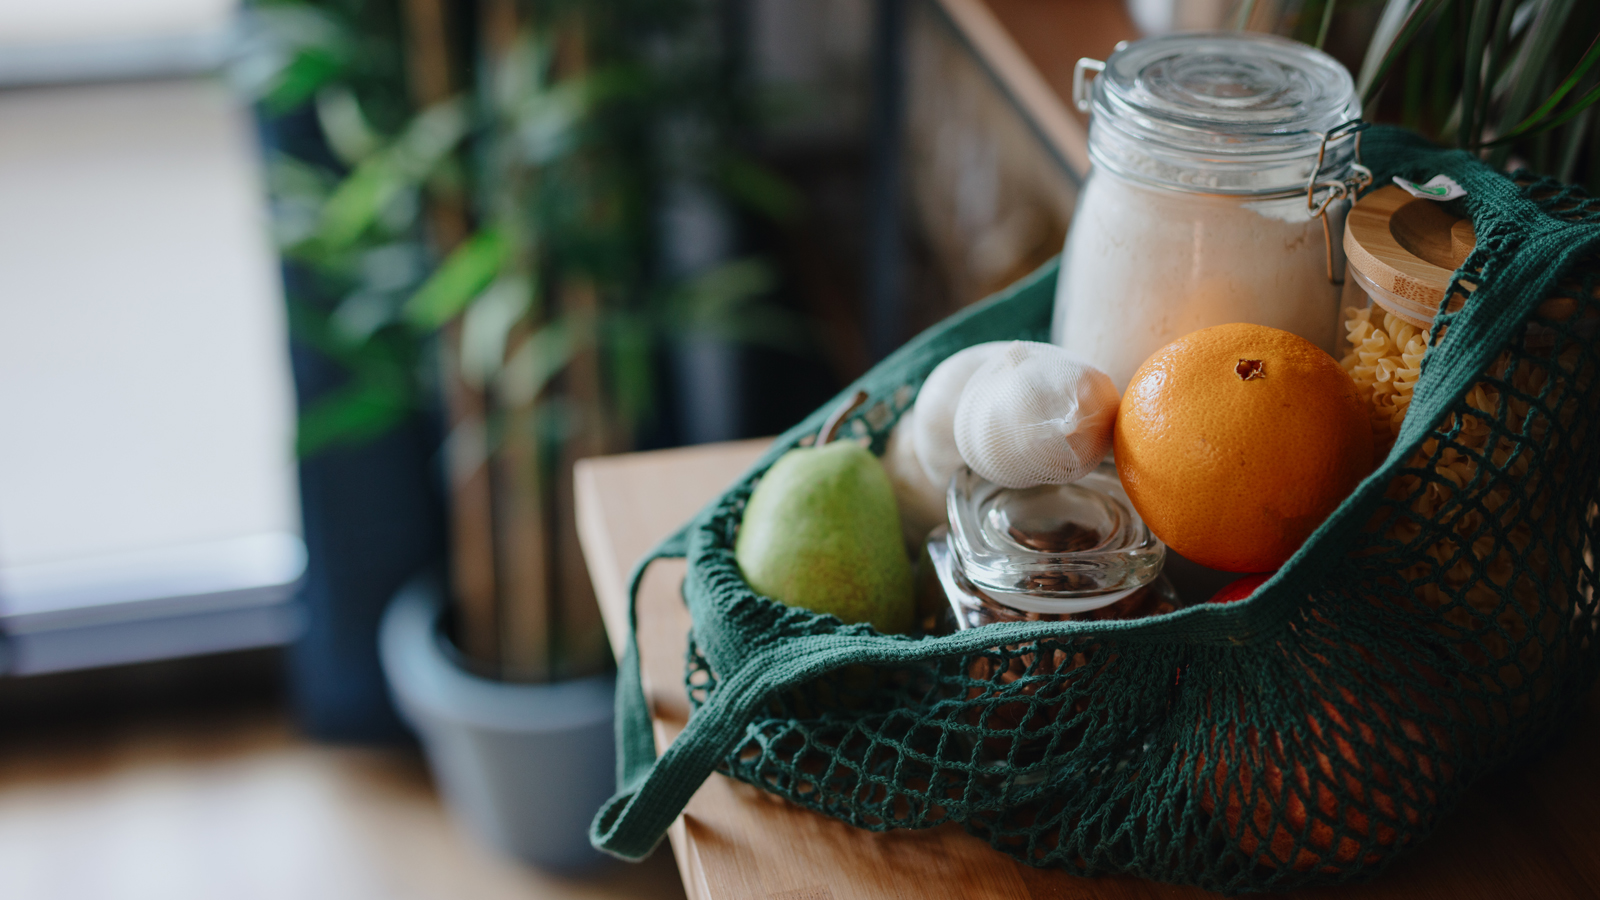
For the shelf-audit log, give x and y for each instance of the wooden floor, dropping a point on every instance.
(226, 800)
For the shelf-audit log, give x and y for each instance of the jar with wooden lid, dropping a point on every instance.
(1402, 251)
(1219, 164)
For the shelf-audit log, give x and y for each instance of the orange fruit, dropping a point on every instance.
(1285, 801)
(1235, 442)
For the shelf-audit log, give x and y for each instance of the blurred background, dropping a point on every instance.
(302, 300)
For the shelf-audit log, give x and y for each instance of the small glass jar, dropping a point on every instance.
(1196, 210)
(1047, 552)
(968, 606)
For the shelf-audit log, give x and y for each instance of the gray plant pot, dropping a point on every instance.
(522, 766)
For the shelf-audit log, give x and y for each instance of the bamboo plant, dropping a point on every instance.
(487, 228)
(1515, 81)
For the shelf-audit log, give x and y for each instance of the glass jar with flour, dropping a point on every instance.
(1220, 164)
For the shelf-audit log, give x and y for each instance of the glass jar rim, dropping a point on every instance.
(1221, 112)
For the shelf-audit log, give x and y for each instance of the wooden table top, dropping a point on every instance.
(1530, 832)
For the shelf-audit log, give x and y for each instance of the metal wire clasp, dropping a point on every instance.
(1360, 177)
(1080, 80)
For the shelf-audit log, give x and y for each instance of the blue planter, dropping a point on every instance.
(523, 767)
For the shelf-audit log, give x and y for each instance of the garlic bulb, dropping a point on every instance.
(934, 435)
(921, 502)
(1035, 414)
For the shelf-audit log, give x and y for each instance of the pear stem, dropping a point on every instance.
(830, 428)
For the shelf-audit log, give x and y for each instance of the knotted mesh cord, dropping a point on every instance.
(1307, 739)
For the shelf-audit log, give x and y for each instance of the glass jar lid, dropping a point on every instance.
(1056, 548)
(1224, 113)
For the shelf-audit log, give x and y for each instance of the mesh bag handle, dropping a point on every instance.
(636, 749)
(757, 648)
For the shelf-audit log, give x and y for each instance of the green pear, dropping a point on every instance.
(821, 531)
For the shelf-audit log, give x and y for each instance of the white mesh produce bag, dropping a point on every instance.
(1035, 414)
(922, 502)
(933, 434)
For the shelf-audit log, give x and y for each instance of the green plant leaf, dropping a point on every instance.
(297, 82)
(1472, 73)
(381, 177)
(358, 411)
(431, 136)
(524, 66)
(712, 296)
(285, 54)
(1245, 10)
(1414, 20)
(356, 203)
(1327, 20)
(1572, 147)
(312, 326)
(1533, 54)
(1578, 107)
(349, 135)
(726, 302)
(629, 353)
(547, 121)
(1495, 70)
(1530, 125)
(765, 325)
(359, 316)
(298, 191)
(1383, 34)
(1412, 89)
(488, 323)
(469, 269)
(539, 358)
(1445, 57)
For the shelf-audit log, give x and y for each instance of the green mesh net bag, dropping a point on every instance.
(1440, 623)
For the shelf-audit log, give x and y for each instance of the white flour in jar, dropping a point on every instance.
(1143, 268)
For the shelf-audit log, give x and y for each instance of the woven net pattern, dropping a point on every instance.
(1441, 623)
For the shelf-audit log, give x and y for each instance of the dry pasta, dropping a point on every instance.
(1385, 360)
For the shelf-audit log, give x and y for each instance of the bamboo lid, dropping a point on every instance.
(1403, 251)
